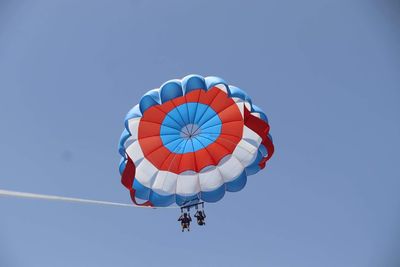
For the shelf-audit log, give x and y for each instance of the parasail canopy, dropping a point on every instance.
(192, 140)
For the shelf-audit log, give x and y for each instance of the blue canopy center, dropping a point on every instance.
(190, 127)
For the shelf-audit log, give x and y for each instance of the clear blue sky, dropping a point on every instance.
(327, 73)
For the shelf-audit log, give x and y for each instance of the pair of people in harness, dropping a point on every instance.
(185, 219)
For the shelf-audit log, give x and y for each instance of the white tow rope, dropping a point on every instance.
(66, 199)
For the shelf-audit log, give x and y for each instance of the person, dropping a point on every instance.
(185, 220)
(200, 216)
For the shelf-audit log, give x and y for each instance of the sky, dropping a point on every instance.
(326, 72)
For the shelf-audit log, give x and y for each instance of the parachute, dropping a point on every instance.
(190, 141)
